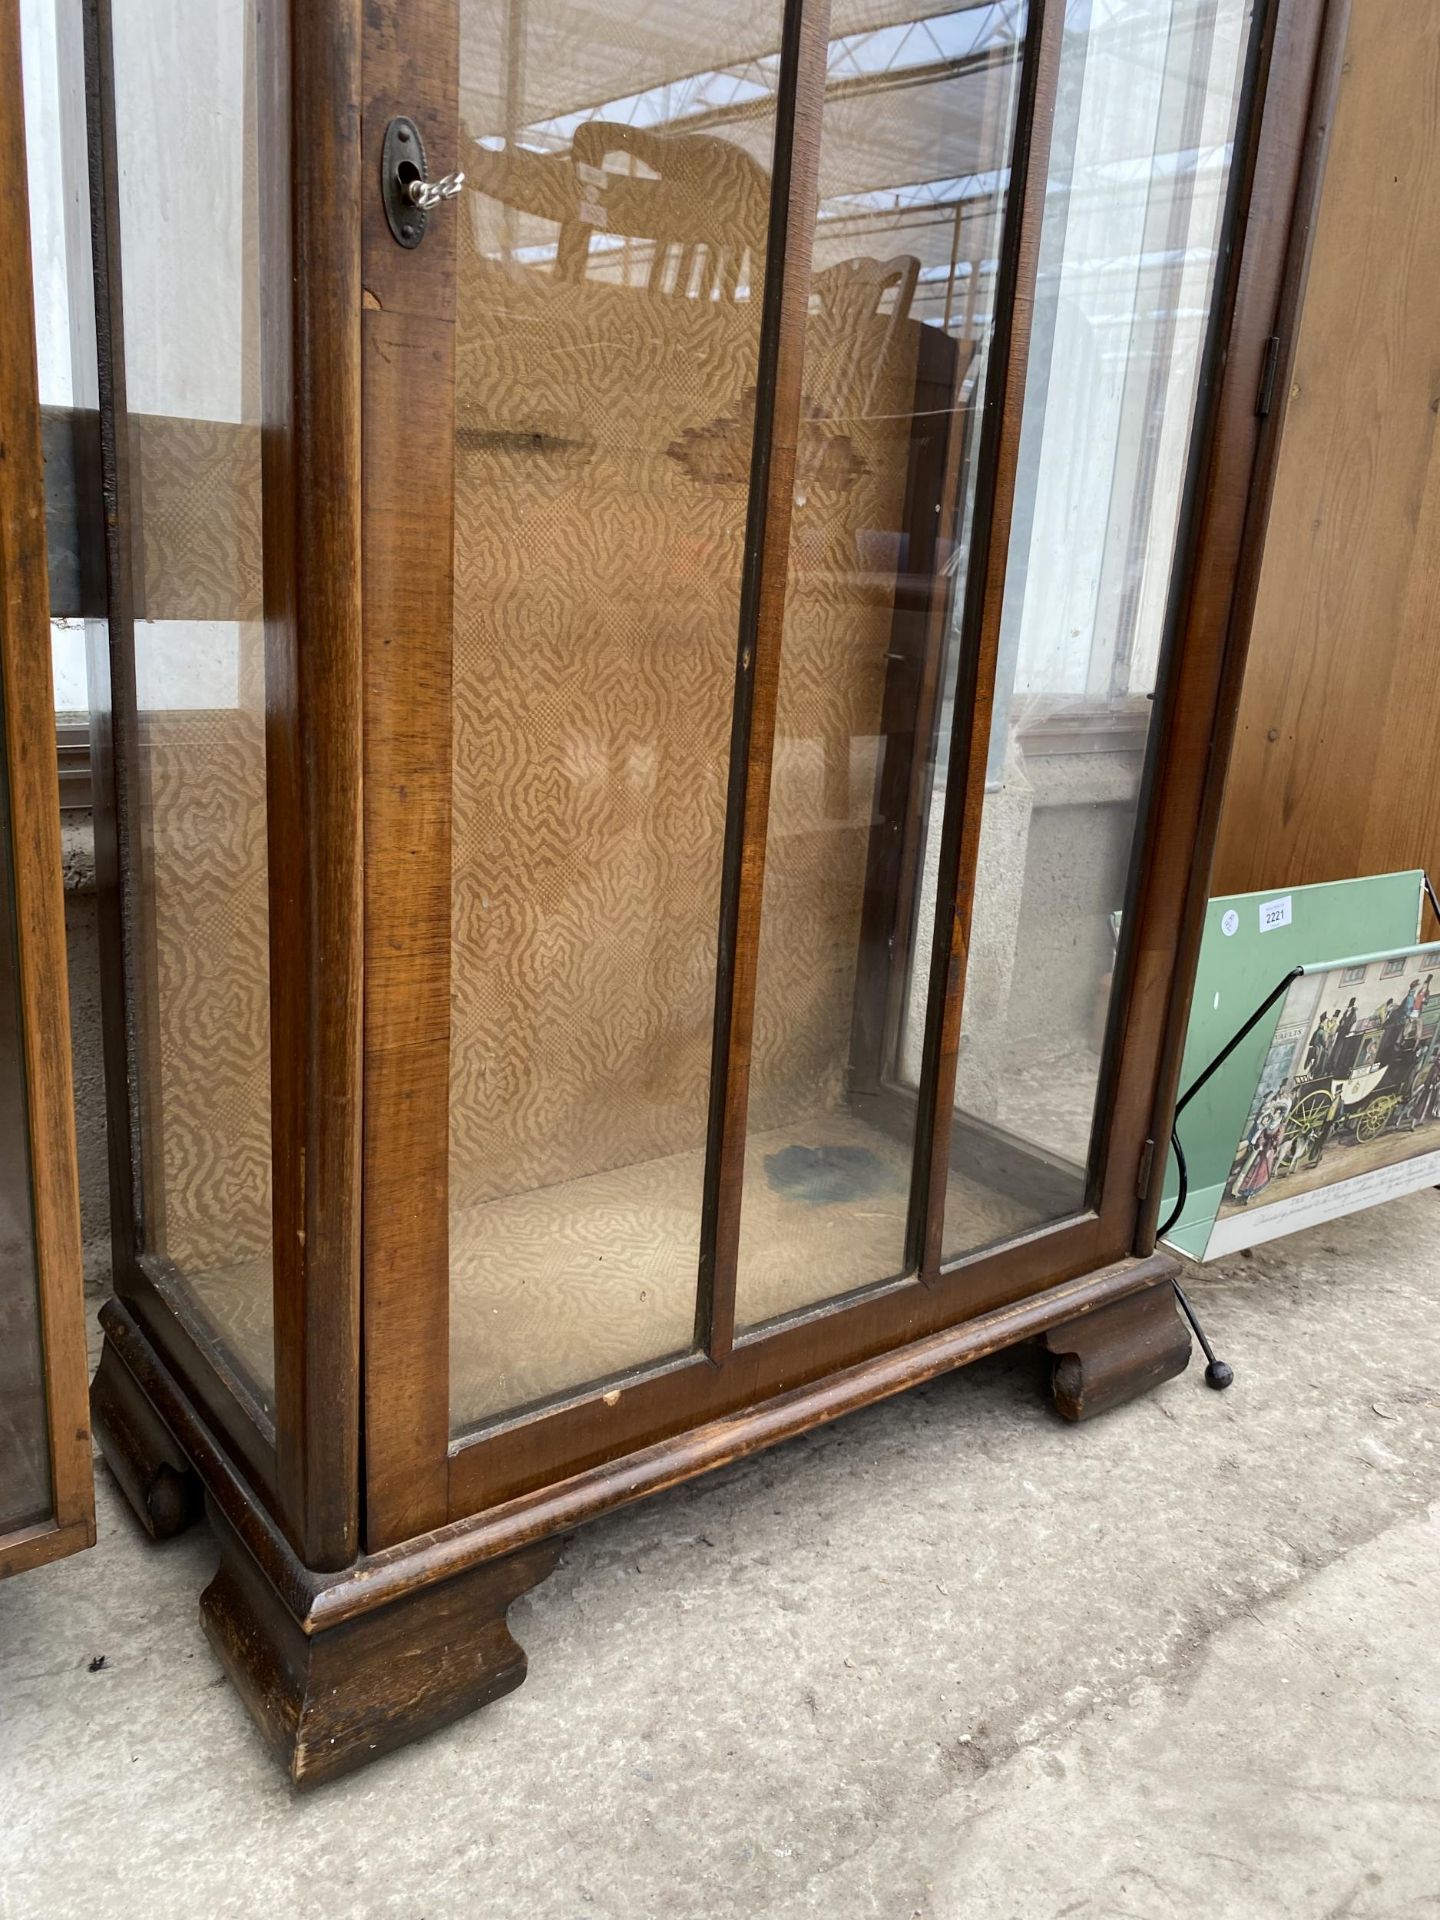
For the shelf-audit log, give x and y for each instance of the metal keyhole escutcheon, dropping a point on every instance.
(409, 195)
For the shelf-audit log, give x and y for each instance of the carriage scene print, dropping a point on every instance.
(1350, 1088)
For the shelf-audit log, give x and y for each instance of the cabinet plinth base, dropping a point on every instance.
(1117, 1351)
(150, 1467)
(341, 1665)
(330, 1701)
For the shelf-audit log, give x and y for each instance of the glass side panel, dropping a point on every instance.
(197, 904)
(915, 143)
(24, 1436)
(1139, 171)
(611, 259)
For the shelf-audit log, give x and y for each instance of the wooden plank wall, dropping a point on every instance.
(1336, 767)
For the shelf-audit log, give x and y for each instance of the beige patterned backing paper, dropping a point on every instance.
(597, 599)
(602, 473)
(198, 488)
(598, 556)
(204, 1009)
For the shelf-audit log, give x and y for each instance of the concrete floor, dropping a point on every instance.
(947, 1658)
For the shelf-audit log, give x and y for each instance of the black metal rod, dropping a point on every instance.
(1233, 1042)
(1183, 1190)
(1195, 1325)
(1194, 1087)
(1218, 1373)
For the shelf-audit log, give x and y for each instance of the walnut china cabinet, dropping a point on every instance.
(669, 571)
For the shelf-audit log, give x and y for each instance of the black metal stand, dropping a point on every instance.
(1218, 1373)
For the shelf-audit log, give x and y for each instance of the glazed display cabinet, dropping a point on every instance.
(668, 578)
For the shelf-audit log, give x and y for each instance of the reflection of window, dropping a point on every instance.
(1352, 976)
(1392, 967)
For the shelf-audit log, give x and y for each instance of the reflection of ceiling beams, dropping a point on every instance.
(992, 60)
(939, 123)
(571, 33)
(758, 105)
(971, 191)
(909, 170)
(955, 37)
(1137, 173)
(947, 116)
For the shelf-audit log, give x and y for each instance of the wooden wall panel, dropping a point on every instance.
(1336, 769)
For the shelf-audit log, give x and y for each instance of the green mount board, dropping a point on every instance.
(1235, 973)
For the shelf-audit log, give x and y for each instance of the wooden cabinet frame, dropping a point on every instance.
(352, 1524)
(30, 818)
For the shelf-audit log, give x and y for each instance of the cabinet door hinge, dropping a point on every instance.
(1142, 1177)
(1267, 375)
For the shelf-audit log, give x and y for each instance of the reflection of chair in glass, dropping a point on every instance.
(703, 202)
(849, 351)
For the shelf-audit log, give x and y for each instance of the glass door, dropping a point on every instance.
(775, 453)
(615, 245)
(612, 263)
(187, 679)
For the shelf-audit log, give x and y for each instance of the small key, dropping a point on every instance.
(429, 193)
